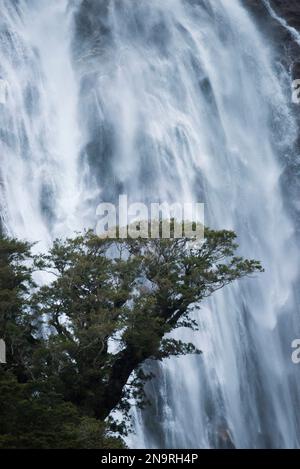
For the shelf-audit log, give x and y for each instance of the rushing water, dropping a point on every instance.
(174, 100)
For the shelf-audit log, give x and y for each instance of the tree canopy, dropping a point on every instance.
(77, 344)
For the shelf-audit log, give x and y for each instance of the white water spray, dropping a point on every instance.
(173, 100)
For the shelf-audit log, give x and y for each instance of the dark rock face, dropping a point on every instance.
(289, 11)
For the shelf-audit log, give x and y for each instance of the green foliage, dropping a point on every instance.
(62, 380)
(32, 416)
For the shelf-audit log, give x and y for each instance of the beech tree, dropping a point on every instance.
(111, 304)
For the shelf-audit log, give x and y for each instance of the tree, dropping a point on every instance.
(16, 284)
(111, 305)
(132, 292)
(33, 414)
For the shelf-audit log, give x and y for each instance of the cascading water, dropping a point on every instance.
(177, 100)
(39, 124)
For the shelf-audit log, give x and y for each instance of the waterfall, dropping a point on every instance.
(40, 133)
(174, 100)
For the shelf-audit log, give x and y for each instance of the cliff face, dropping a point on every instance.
(280, 29)
(289, 10)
